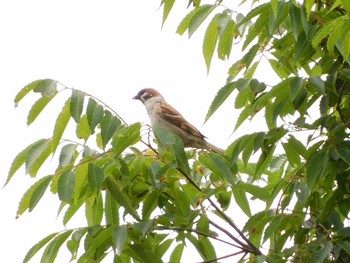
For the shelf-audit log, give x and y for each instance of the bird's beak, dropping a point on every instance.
(137, 97)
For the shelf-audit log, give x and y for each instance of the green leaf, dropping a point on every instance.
(37, 108)
(24, 91)
(274, 7)
(95, 177)
(66, 184)
(94, 112)
(210, 40)
(326, 30)
(36, 156)
(181, 29)
(126, 137)
(198, 17)
(220, 97)
(33, 195)
(60, 125)
(83, 129)
(76, 104)
(145, 255)
(31, 253)
(242, 200)
(52, 248)
(318, 83)
(114, 188)
(150, 204)
(102, 240)
(295, 18)
(38, 192)
(111, 210)
(245, 113)
(47, 87)
(67, 155)
(109, 125)
(177, 253)
(316, 167)
(295, 84)
(242, 97)
(94, 210)
(168, 5)
(19, 160)
(344, 153)
(119, 238)
(218, 164)
(251, 55)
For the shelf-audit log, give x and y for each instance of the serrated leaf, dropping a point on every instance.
(40, 188)
(24, 91)
(219, 165)
(26, 200)
(95, 176)
(150, 204)
(209, 42)
(226, 41)
(94, 209)
(198, 17)
(245, 113)
(242, 200)
(220, 97)
(67, 155)
(76, 104)
(109, 125)
(250, 55)
(31, 253)
(295, 18)
(119, 238)
(315, 168)
(111, 210)
(37, 155)
(66, 184)
(94, 112)
(53, 247)
(242, 97)
(37, 108)
(295, 84)
(326, 30)
(46, 87)
(126, 137)
(60, 125)
(113, 186)
(102, 238)
(19, 160)
(183, 26)
(83, 129)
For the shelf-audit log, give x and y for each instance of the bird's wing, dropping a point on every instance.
(174, 117)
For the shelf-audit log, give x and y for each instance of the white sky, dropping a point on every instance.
(110, 49)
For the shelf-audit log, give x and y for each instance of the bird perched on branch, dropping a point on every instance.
(163, 115)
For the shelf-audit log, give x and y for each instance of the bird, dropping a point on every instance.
(163, 115)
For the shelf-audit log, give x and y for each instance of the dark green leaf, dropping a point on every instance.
(296, 83)
(242, 200)
(94, 209)
(316, 167)
(113, 186)
(295, 18)
(94, 112)
(40, 188)
(95, 177)
(111, 210)
(76, 104)
(109, 125)
(66, 184)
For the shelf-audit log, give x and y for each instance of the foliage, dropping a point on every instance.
(148, 206)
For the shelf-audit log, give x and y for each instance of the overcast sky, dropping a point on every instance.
(110, 49)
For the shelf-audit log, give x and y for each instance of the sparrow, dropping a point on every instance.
(163, 115)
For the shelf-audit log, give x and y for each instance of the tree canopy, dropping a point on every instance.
(148, 203)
